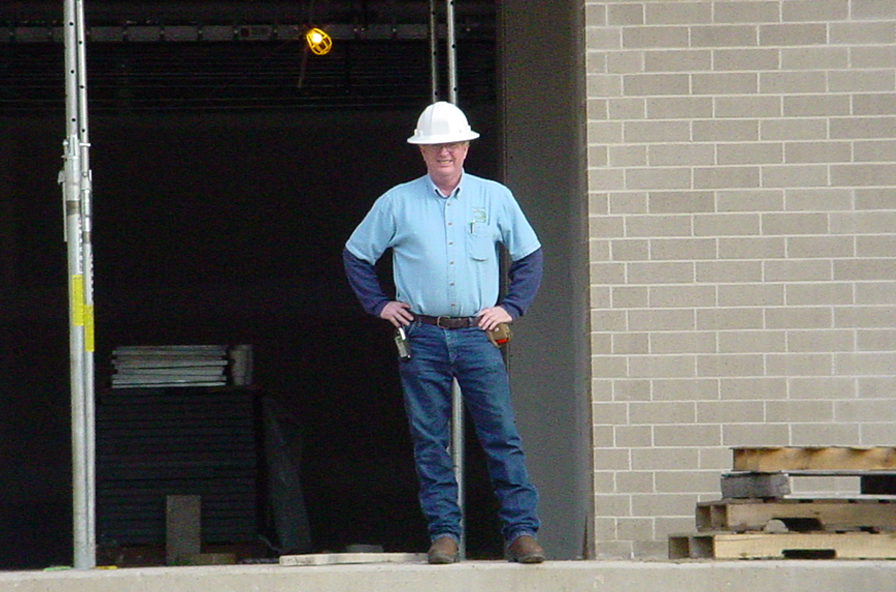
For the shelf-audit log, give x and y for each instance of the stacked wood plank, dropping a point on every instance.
(757, 518)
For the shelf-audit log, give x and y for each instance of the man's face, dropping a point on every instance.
(444, 160)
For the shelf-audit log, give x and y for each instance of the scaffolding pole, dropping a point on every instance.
(457, 401)
(452, 52)
(76, 182)
(433, 51)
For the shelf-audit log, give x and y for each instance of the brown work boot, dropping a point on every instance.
(525, 549)
(443, 550)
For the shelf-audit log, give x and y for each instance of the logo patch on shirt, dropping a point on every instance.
(479, 216)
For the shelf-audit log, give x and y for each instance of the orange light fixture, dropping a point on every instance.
(318, 41)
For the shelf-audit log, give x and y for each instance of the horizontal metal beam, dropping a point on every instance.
(223, 11)
(229, 33)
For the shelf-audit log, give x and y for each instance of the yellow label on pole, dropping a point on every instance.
(77, 300)
(88, 328)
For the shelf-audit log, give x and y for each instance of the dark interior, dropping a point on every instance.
(226, 178)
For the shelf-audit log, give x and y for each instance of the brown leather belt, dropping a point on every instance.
(448, 322)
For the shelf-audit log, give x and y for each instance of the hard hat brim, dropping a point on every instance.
(443, 139)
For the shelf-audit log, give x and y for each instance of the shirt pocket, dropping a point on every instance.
(481, 243)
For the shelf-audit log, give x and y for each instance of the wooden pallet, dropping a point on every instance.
(790, 458)
(761, 545)
(754, 520)
(826, 514)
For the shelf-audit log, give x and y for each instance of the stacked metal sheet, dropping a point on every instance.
(169, 365)
(156, 442)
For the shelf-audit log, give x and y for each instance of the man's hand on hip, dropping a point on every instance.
(397, 313)
(490, 318)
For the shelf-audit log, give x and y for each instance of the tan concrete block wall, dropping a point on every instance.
(742, 201)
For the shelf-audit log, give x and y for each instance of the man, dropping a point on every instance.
(443, 229)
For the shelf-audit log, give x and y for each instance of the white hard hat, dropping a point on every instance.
(442, 123)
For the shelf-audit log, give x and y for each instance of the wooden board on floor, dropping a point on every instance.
(762, 545)
(351, 558)
(788, 458)
(827, 514)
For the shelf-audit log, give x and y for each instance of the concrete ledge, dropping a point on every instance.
(491, 576)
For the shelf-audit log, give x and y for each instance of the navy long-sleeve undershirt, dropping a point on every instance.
(524, 274)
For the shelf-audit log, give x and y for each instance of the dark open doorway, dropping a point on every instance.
(219, 218)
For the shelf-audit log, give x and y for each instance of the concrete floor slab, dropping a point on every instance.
(490, 576)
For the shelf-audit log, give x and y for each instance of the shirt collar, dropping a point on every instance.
(435, 190)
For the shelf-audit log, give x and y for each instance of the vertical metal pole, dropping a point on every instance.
(457, 420)
(457, 415)
(86, 189)
(452, 53)
(457, 455)
(72, 177)
(434, 50)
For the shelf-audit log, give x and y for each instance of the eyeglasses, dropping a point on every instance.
(450, 147)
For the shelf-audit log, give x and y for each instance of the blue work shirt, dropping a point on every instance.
(444, 249)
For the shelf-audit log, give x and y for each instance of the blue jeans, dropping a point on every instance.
(437, 356)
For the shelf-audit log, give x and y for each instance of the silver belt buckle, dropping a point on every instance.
(439, 322)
